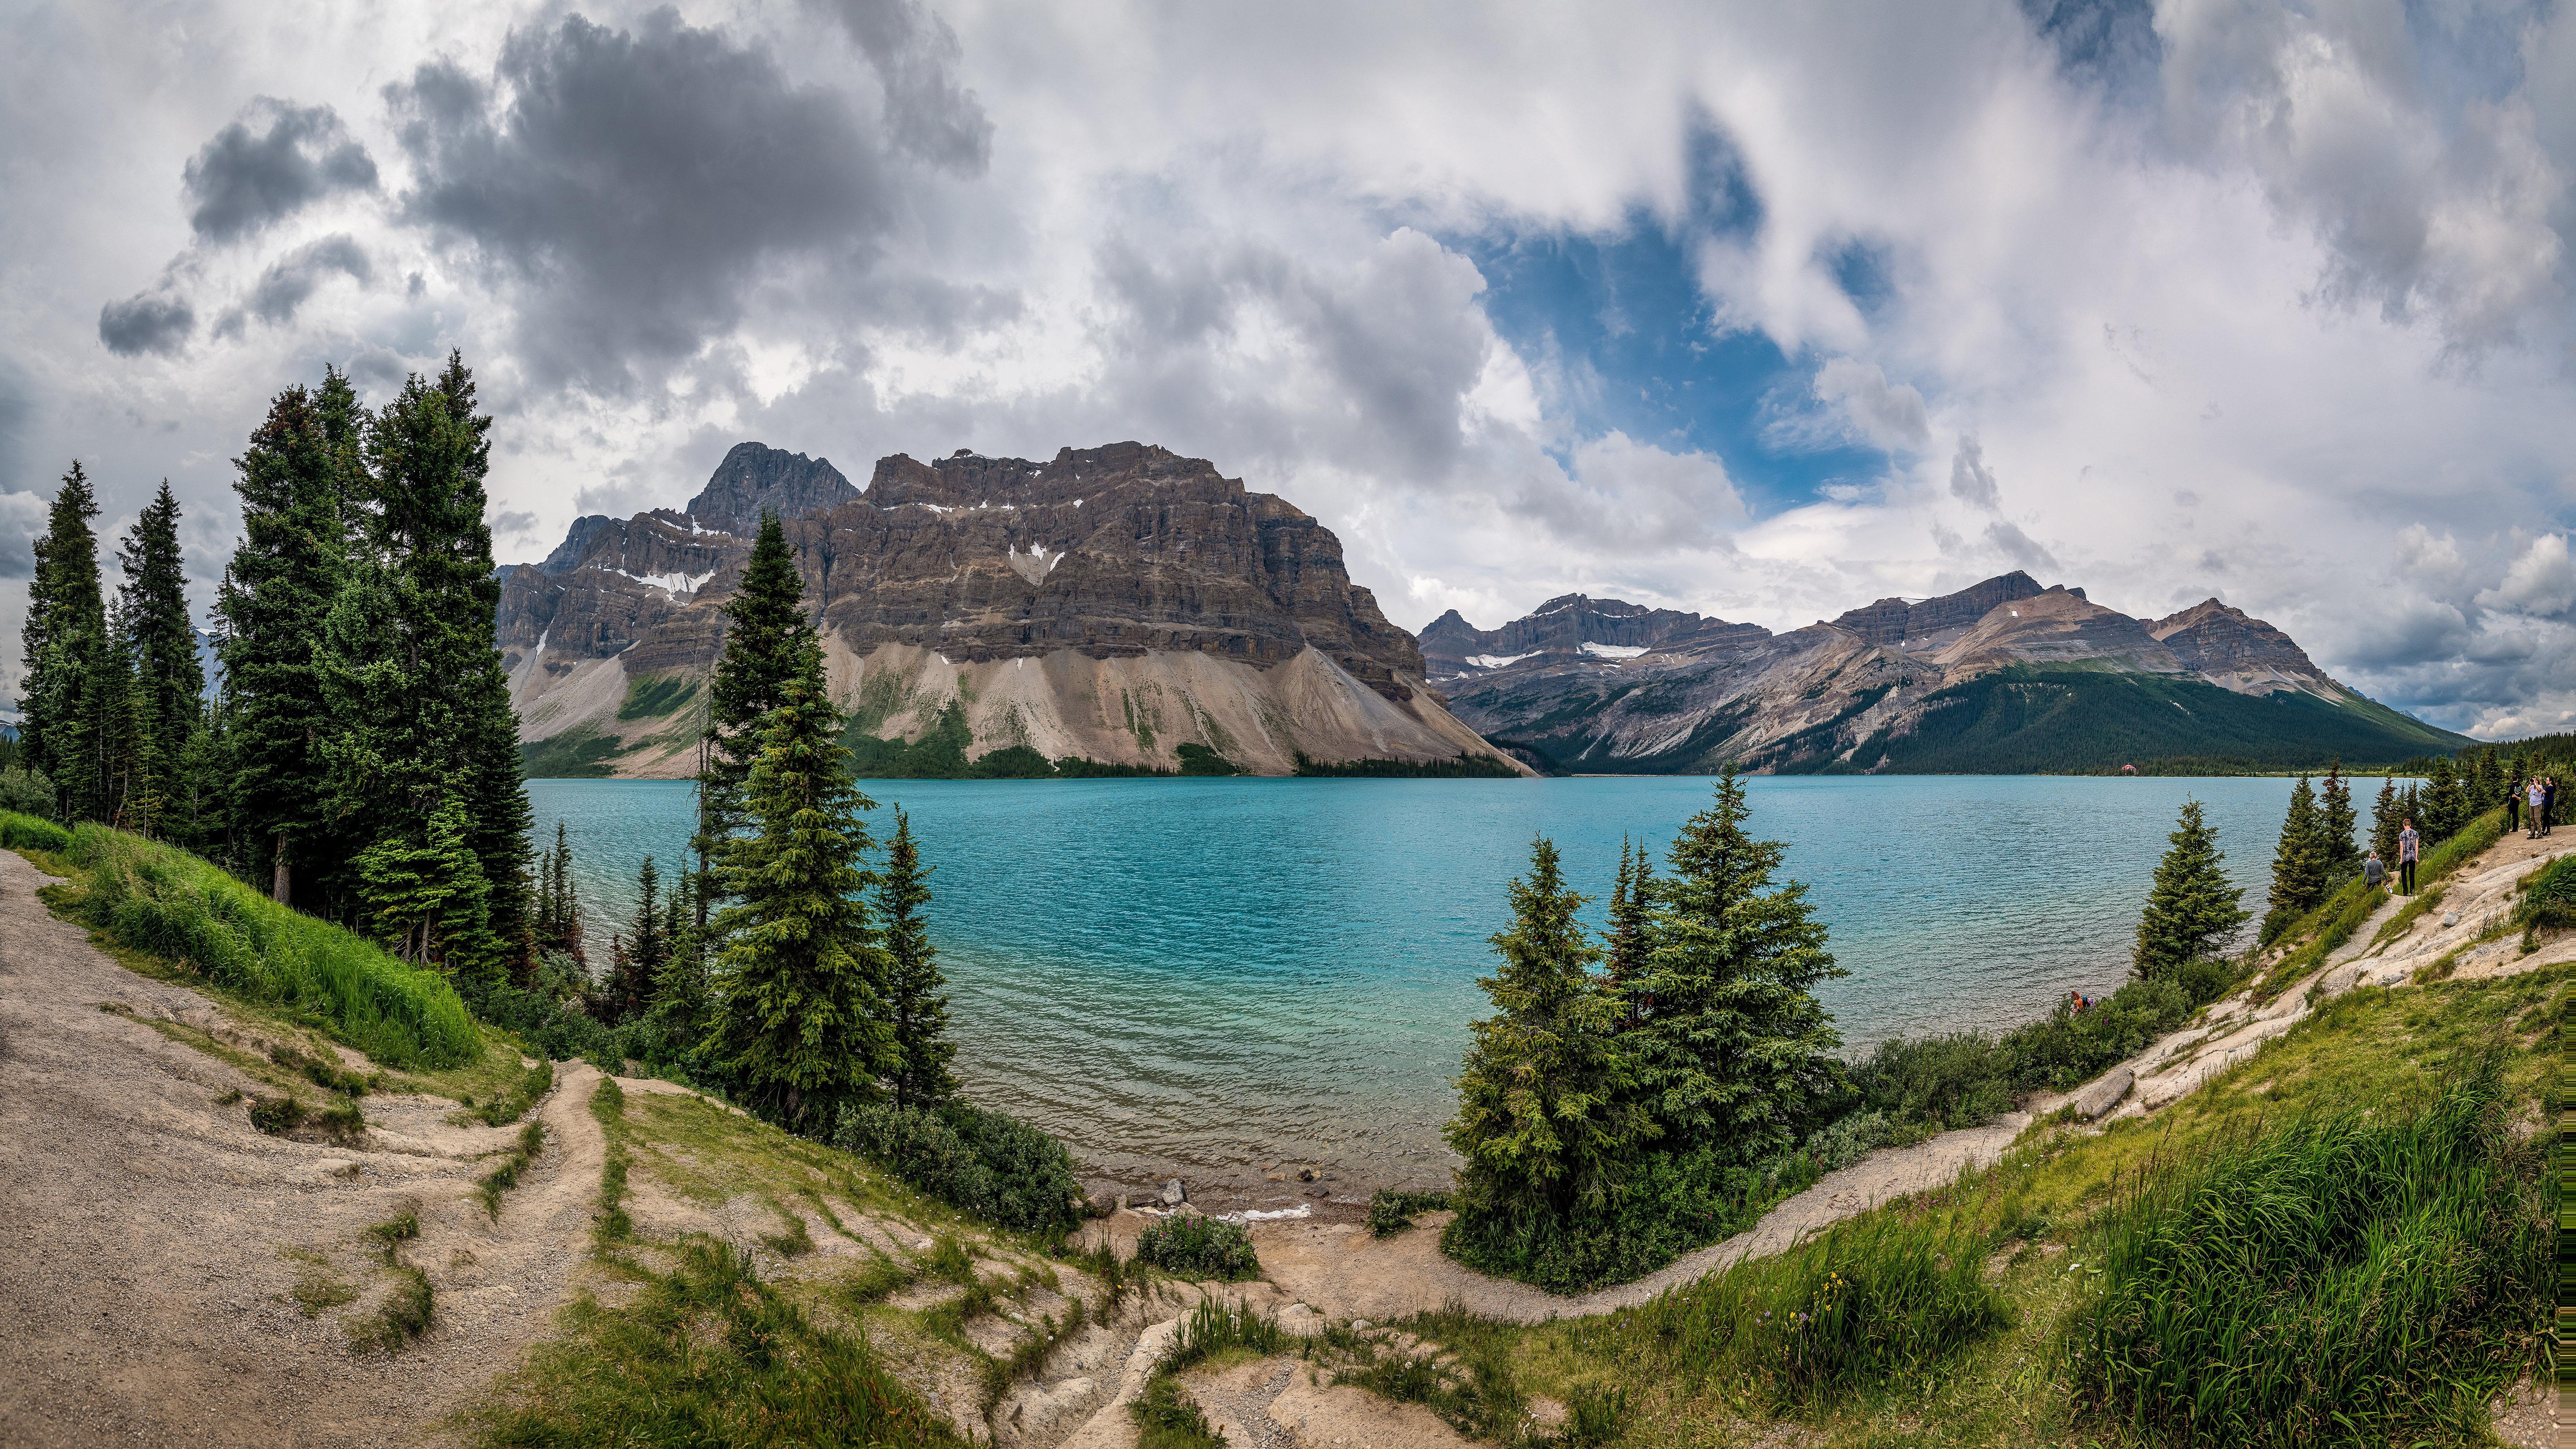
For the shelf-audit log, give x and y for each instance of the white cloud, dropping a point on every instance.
(2542, 581)
(1888, 416)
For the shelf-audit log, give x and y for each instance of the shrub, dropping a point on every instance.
(27, 792)
(405, 1313)
(1193, 1245)
(1391, 1212)
(1663, 1205)
(2337, 1277)
(274, 1115)
(162, 900)
(988, 1163)
(22, 831)
(1958, 1080)
(2550, 902)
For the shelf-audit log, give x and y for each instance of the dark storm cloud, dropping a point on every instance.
(154, 321)
(635, 183)
(248, 177)
(292, 278)
(1971, 481)
(927, 113)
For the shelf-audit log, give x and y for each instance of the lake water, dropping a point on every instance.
(1209, 977)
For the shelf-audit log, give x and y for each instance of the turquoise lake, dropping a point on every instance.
(1209, 977)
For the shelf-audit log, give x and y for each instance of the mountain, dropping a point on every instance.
(2004, 676)
(1119, 605)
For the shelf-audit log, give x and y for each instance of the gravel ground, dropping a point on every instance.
(144, 1285)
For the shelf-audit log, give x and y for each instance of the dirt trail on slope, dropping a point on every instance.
(145, 1287)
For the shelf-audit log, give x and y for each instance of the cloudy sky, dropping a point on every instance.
(1761, 310)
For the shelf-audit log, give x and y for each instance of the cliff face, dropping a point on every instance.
(2004, 675)
(1113, 603)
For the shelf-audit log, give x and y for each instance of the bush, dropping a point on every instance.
(162, 900)
(1391, 1212)
(988, 1163)
(20, 831)
(2336, 1278)
(2550, 902)
(26, 792)
(1958, 1080)
(1664, 1205)
(1868, 1300)
(1193, 1245)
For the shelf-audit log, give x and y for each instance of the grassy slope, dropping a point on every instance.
(2034, 1211)
(2026, 720)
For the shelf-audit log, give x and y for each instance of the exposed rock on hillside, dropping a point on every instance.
(1111, 603)
(2002, 676)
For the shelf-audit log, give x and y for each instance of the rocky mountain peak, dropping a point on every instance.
(1573, 627)
(755, 478)
(2239, 651)
(1933, 623)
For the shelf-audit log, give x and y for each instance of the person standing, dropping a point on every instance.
(2372, 872)
(2548, 802)
(2406, 841)
(2532, 795)
(2512, 799)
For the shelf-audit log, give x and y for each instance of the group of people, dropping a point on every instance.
(2538, 797)
(2409, 846)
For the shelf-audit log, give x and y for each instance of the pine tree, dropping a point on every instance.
(679, 1014)
(1632, 905)
(159, 629)
(128, 789)
(425, 896)
(801, 1027)
(1547, 1114)
(2445, 804)
(277, 591)
(429, 456)
(2298, 864)
(66, 622)
(765, 637)
(917, 1009)
(2384, 818)
(2485, 783)
(2191, 909)
(1737, 1052)
(2338, 826)
(643, 954)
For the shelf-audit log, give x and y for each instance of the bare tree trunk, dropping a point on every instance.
(281, 885)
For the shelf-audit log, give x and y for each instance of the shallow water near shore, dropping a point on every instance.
(1211, 978)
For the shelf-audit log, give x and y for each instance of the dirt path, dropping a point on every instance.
(145, 1291)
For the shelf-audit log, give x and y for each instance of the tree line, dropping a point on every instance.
(358, 758)
(2318, 852)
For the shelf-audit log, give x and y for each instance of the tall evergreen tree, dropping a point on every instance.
(1547, 1114)
(2191, 909)
(276, 594)
(801, 1028)
(430, 456)
(159, 628)
(1632, 909)
(429, 901)
(66, 623)
(764, 640)
(1736, 1053)
(918, 1009)
(2298, 864)
(2384, 822)
(643, 955)
(2445, 803)
(680, 1010)
(127, 774)
(2485, 783)
(2337, 824)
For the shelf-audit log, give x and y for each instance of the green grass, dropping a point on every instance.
(27, 832)
(509, 1107)
(489, 1187)
(612, 1226)
(162, 901)
(706, 1354)
(654, 695)
(2335, 922)
(1391, 1212)
(1194, 1245)
(579, 753)
(2323, 1272)
(404, 1315)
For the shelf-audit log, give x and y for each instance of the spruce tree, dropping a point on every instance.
(801, 1026)
(1632, 904)
(427, 899)
(126, 777)
(2384, 824)
(2191, 909)
(764, 640)
(2445, 803)
(640, 963)
(1547, 1114)
(918, 1011)
(2298, 864)
(278, 590)
(1736, 1052)
(2338, 826)
(66, 622)
(679, 1013)
(159, 628)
